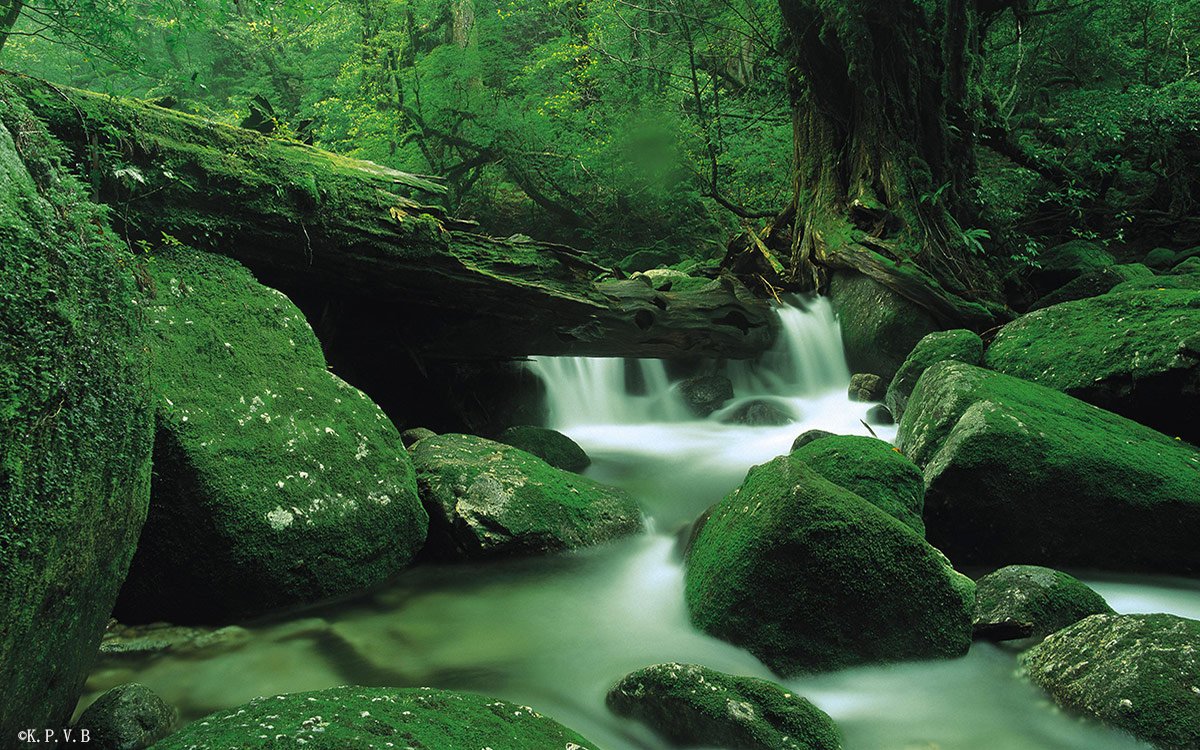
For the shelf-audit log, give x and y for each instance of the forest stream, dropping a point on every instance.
(558, 632)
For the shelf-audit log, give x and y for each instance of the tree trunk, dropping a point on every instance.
(10, 11)
(882, 95)
(338, 233)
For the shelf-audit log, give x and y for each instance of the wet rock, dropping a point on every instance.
(958, 345)
(1029, 602)
(759, 414)
(128, 717)
(1139, 673)
(879, 327)
(1017, 472)
(705, 394)
(693, 705)
(866, 387)
(410, 436)
(488, 499)
(880, 415)
(366, 718)
(75, 426)
(142, 640)
(1134, 353)
(275, 482)
(551, 446)
(808, 437)
(809, 576)
(872, 469)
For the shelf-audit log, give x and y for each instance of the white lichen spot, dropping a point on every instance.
(280, 519)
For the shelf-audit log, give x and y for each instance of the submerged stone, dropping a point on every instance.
(705, 394)
(692, 705)
(867, 387)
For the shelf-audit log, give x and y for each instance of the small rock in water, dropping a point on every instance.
(551, 446)
(705, 394)
(759, 414)
(880, 414)
(140, 640)
(808, 437)
(410, 436)
(693, 705)
(1031, 602)
(128, 717)
(867, 387)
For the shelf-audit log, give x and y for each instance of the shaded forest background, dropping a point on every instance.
(653, 131)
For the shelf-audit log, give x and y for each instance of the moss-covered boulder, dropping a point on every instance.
(879, 327)
(1027, 601)
(704, 394)
(1160, 258)
(366, 718)
(551, 446)
(275, 482)
(1019, 473)
(1062, 263)
(1184, 276)
(75, 426)
(959, 345)
(1135, 353)
(808, 576)
(487, 499)
(693, 705)
(1140, 673)
(1093, 283)
(872, 469)
(127, 717)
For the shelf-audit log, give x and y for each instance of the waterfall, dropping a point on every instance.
(807, 359)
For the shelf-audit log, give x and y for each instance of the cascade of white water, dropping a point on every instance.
(806, 359)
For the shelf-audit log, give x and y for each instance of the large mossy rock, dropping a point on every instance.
(959, 345)
(75, 427)
(692, 705)
(1093, 283)
(551, 446)
(1063, 263)
(1135, 353)
(808, 576)
(1140, 673)
(873, 470)
(366, 718)
(879, 327)
(127, 717)
(1027, 601)
(275, 482)
(1019, 473)
(487, 499)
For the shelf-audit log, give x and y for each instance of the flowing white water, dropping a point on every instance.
(555, 633)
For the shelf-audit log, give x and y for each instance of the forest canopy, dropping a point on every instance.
(664, 126)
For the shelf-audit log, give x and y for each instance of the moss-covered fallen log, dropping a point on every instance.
(347, 235)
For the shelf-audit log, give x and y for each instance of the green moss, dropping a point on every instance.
(808, 576)
(1135, 353)
(873, 470)
(1094, 282)
(1027, 601)
(486, 498)
(1138, 673)
(275, 482)
(551, 446)
(75, 425)
(959, 345)
(366, 718)
(693, 705)
(879, 327)
(1017, 472)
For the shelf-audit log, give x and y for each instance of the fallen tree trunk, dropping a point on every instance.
(339, 234)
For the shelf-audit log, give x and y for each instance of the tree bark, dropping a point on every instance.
(10, 11)
(882, 96)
